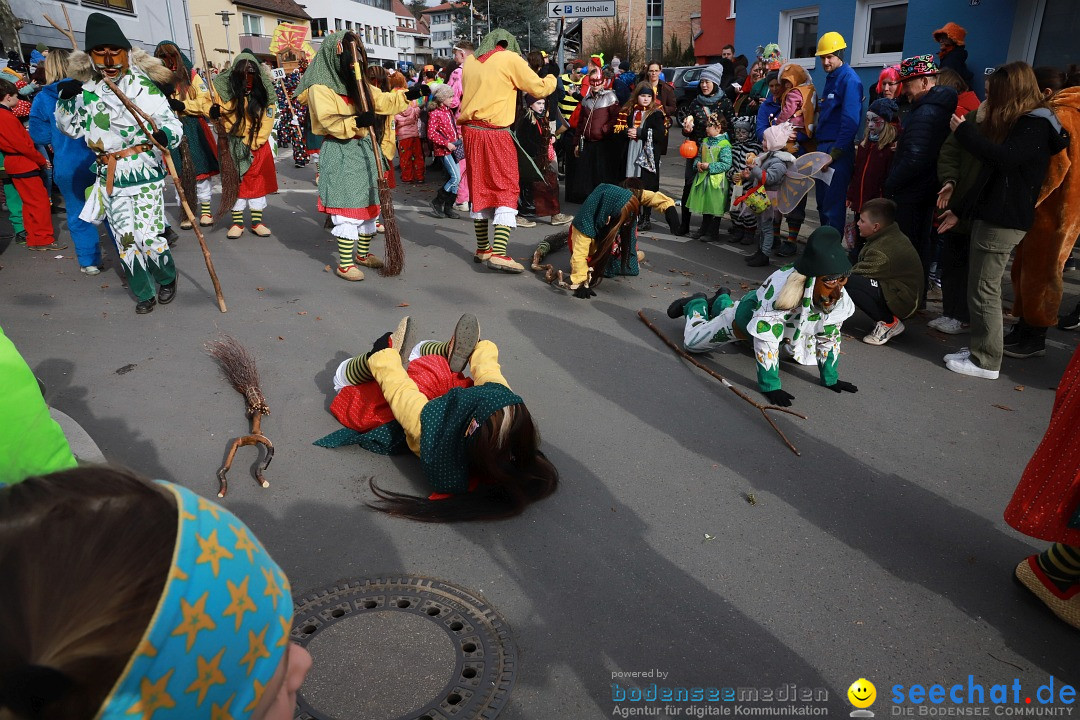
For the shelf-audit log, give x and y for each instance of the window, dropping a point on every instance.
(731, 14)
(367, 34)
(654, 39)
(654, 8)
(391, 38)
(318, 27)
(124, 5)
(879, 32)
(252, 24)
(798, 34)
(385, 36)
(348, 24)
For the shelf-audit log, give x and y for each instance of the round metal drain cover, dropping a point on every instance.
(402, 648)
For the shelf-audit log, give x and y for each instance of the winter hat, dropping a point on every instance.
(918, 66)
(824, 254)
(953, 32)
(442, 93)
(776, 137)
(41, 47)
(885, 108)
(745, 122)
(103, 30)
(713, 73)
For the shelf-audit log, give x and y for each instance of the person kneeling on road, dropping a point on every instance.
(886, 281)
(800, 307)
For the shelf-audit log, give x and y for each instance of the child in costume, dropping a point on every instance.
(247, 108)
(189, 99)
(533, 131)
(797, 100)
(769, 170)
(130, 184)
(643, 125)
(24, 165)
(799, 309)
(475, 438)
(603, 235)
(348, 173)
(709, 192)
(174, 608)
(744, 222)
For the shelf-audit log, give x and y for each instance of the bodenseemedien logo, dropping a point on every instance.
(862, 695)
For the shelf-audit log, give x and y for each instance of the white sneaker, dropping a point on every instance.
(962, 354)
(937, 322)
(948, 325)
(90, 270)
(461, 207)
(964, 366)
(883, 332)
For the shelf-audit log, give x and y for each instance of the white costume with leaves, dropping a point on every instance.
(135, 208)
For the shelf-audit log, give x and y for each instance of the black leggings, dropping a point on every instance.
(954, 276)
(867, 296)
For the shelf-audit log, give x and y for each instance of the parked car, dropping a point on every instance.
(685, 80)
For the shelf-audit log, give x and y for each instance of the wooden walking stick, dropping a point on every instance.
(139, 115)
(238, 365)
(763, 408)
(229, 176)
(395, 254)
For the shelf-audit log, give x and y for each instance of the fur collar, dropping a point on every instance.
(81, 67)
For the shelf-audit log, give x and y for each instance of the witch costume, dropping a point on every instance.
(130, 183)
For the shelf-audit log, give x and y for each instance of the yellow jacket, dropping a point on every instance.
(197, 100)
(405, 399)
(202, 106)
(583, 245)
(490, 87)
(331, 115)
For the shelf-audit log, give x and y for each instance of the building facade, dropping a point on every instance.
(714, 27)
(250, 25)
(882, 32)
(443, 20)
(144, 23)
(413, 38)
(374, 21)
(651, 24)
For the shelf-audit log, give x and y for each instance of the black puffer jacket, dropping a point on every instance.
(913, 177)
(701, 107)
(1013, 172)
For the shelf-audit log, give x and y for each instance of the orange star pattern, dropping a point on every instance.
(241, 601)
(153, 697)
(272, 588)
(286, 628)
(195, 619)
(243, 542)
(259, 690)
(146, 648)
(209, 675)
(209, 507)
(256, 649)
(221, 712)
(212, 551)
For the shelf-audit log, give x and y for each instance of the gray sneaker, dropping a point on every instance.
(883, 332)
(463, 342)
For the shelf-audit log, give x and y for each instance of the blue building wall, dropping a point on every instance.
(989, 28)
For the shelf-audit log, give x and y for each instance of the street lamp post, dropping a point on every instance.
(225, 15)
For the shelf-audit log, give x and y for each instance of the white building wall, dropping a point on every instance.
(150, 22)
(381, 23)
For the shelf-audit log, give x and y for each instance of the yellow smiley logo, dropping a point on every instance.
(862, 693)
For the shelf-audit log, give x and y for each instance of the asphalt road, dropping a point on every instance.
(880, 552)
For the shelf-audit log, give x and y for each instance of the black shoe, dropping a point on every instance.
(717, 294)
(645, 225)
(437, 204)
(167, 293)
(758, 259)
(448, 206)
(169, 235)
(736, 235)
(145, 306)
(699, 233)
(1032, 345)
(750, 238)
(675, 309)
(1070, 321)
(684, 229)
(20, 238)
(787, 249)
(1018, 334)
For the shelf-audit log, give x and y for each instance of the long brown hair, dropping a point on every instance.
(1012, 91)
(84, 555)
(505, 457)
(632, 102)
(621, 227)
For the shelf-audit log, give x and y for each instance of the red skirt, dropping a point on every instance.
(363, 407)
(261, 177)
(1049, 491)
(491, 157)
(365, 213)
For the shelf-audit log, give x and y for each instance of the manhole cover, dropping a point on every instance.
(402, 648)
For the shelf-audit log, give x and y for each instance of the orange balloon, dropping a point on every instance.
(688, 149)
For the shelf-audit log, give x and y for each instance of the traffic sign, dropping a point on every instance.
(581, 8)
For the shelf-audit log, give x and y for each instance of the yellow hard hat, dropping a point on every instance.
(829, 43)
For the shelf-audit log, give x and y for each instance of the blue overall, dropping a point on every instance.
(838, 120)
(72, 172)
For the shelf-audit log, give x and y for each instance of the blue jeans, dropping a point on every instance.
(831, 199)
(451, 166)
